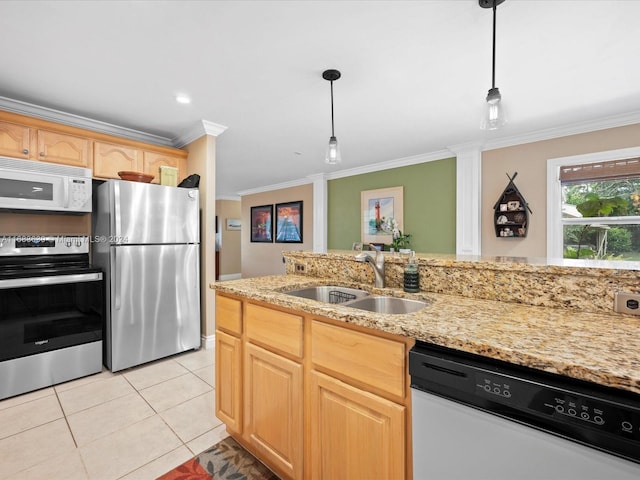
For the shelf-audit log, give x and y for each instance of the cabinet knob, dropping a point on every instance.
(25, 151)
(42, 154)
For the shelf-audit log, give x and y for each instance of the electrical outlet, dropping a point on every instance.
(627, 303)
(300, 267)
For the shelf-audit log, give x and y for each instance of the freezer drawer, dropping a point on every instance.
(154, 306)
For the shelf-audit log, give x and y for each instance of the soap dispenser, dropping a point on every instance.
(411, 275)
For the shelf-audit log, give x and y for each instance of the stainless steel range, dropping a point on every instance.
(51, 312)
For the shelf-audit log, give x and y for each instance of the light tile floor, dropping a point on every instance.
(131, 425)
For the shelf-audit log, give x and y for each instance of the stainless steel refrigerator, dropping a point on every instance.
(146, 239)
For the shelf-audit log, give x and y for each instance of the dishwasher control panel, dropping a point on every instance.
(560, 404)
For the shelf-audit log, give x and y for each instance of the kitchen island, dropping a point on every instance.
(555, 318)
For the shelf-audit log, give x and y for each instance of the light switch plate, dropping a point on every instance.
(628, 303)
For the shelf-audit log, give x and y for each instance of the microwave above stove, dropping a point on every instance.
(44, 187)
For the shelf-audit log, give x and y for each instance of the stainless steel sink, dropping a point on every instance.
(329, 293)
(391, 305)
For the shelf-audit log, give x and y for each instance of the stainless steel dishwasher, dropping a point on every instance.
(478, 418)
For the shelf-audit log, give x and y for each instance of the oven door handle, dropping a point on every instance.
(49, 280)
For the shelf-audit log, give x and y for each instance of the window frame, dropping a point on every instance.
(555, 221)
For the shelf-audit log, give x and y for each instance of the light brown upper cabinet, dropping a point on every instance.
(110, 158)
(63, 148)
(153, 161)
(37, 139)
(14, 140)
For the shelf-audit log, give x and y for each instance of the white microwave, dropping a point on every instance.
(46, 187)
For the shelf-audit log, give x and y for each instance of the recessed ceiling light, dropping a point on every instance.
(182, 99)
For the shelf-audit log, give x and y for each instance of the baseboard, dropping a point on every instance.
(208, 342)
(230, 276)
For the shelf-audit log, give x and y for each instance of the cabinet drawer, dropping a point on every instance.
(376, 361)
(279, 330)
(229, 314)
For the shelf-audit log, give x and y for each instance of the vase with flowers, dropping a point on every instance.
(401, 241)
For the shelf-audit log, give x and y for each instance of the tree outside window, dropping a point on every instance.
(601, 218)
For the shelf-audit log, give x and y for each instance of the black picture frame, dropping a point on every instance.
(262, 224)
(289, 222)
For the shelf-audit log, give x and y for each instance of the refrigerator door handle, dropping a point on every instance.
(116, 210)
(117, 277)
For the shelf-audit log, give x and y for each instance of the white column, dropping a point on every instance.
(319, 212)
(468, 198)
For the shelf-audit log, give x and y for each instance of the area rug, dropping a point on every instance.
(226, 460)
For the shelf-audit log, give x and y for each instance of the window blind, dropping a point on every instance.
(609, 170)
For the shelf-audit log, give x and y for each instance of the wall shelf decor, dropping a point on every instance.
(511, 212)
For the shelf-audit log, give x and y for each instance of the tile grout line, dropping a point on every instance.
(65, 415)
(158, 414)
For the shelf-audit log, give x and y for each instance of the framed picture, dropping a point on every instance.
(262, 224)
(234, 224)
(289, 222)
(379, 209)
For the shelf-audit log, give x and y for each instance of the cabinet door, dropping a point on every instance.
(354, 434)
(273, 408)
(62, 148)
(229, 381)
(109, 159)
(153, 161)
(14, 140)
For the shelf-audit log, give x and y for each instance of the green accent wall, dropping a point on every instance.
(429, 205)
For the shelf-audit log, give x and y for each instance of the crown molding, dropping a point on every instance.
(234, 198)
(277, 186)
(587, 126)
(399, 162)
(466, 148)
(58, 116)
(200, 129)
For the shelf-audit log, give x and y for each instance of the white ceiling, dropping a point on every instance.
(414, 73)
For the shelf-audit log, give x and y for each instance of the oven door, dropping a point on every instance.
(41, 314)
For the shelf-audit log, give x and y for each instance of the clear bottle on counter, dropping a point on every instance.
(411, 275)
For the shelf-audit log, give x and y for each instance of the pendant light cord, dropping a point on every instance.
(493, 67)
(332, 134)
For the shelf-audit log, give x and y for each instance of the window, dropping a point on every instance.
(593, 209)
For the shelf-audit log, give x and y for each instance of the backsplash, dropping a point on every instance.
(577, 285)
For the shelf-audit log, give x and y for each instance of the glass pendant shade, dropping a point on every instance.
(494, 115)
(333, 152)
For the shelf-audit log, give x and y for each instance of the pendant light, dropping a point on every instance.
(493, 116)
(333, 150)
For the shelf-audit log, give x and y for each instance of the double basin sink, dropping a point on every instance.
(361, 299)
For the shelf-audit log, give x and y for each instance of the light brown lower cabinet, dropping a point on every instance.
(354, 434)
(310, 397)
(273, 408)
(229, 381)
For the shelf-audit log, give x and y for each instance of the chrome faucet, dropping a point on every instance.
(377, 264)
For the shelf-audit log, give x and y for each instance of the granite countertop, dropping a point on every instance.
(600, 348)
